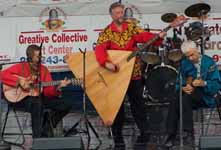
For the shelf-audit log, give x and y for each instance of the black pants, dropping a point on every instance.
(134, 93)
(36, 107)
(189, 101)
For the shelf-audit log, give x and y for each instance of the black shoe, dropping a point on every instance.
(119, 143)
(119, 146)
(188, 139)
(169, 140)
(47, 130)
(141, 142)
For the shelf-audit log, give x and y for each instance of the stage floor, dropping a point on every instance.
(130, 130)
(157, 126)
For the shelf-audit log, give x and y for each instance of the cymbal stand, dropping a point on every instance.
(84, 117)
(202, 44)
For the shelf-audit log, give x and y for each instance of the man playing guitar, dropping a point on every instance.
(22, 77)
(200, 82)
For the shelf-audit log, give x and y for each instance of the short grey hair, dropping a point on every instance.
(115, 5)
(188, 45)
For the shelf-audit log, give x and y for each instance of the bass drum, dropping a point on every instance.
(160, 83)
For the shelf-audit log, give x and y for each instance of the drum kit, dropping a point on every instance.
(160, 70)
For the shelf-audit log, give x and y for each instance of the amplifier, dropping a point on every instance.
(58, 143)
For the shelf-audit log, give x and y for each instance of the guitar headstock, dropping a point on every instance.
(179, 21)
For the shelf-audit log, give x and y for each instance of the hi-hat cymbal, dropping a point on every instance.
(168, 17)
(197, 10)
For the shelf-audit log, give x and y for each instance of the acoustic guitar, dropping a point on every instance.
(190, 79)
(17, 94)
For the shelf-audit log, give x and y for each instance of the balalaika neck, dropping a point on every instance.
(148, 43)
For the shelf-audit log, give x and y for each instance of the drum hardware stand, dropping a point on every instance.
(145, 95)
(162, 54)
(84, 117)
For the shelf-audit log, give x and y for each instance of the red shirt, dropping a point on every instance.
(23, 69)
(112, 38)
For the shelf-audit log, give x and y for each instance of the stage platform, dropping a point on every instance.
(130, 131)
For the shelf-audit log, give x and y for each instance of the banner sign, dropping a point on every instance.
(62, 34)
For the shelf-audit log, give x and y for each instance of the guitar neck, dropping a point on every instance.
(54, 83)
(148, 43)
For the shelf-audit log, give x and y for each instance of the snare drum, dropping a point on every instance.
(175, 55)
(150, 57)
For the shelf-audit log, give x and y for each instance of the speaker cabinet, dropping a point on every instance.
(210, 143)
(58, 143)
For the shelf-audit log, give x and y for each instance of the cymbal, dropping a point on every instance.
(197, 10)
(168, 17)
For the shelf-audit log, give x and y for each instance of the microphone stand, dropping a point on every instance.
(3, 145)
(181, 146)
(39, 81)
(39, 70)
(84, 116)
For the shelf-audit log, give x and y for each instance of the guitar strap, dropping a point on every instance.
(198, 67)
(45, 73)
(23, 71)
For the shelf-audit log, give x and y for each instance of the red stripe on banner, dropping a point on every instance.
(28, 32)
(216, 18)
(80, 30)
(98, 30)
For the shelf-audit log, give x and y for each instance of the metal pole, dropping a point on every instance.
(181, 146)
(3, 145)
(181, 113)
